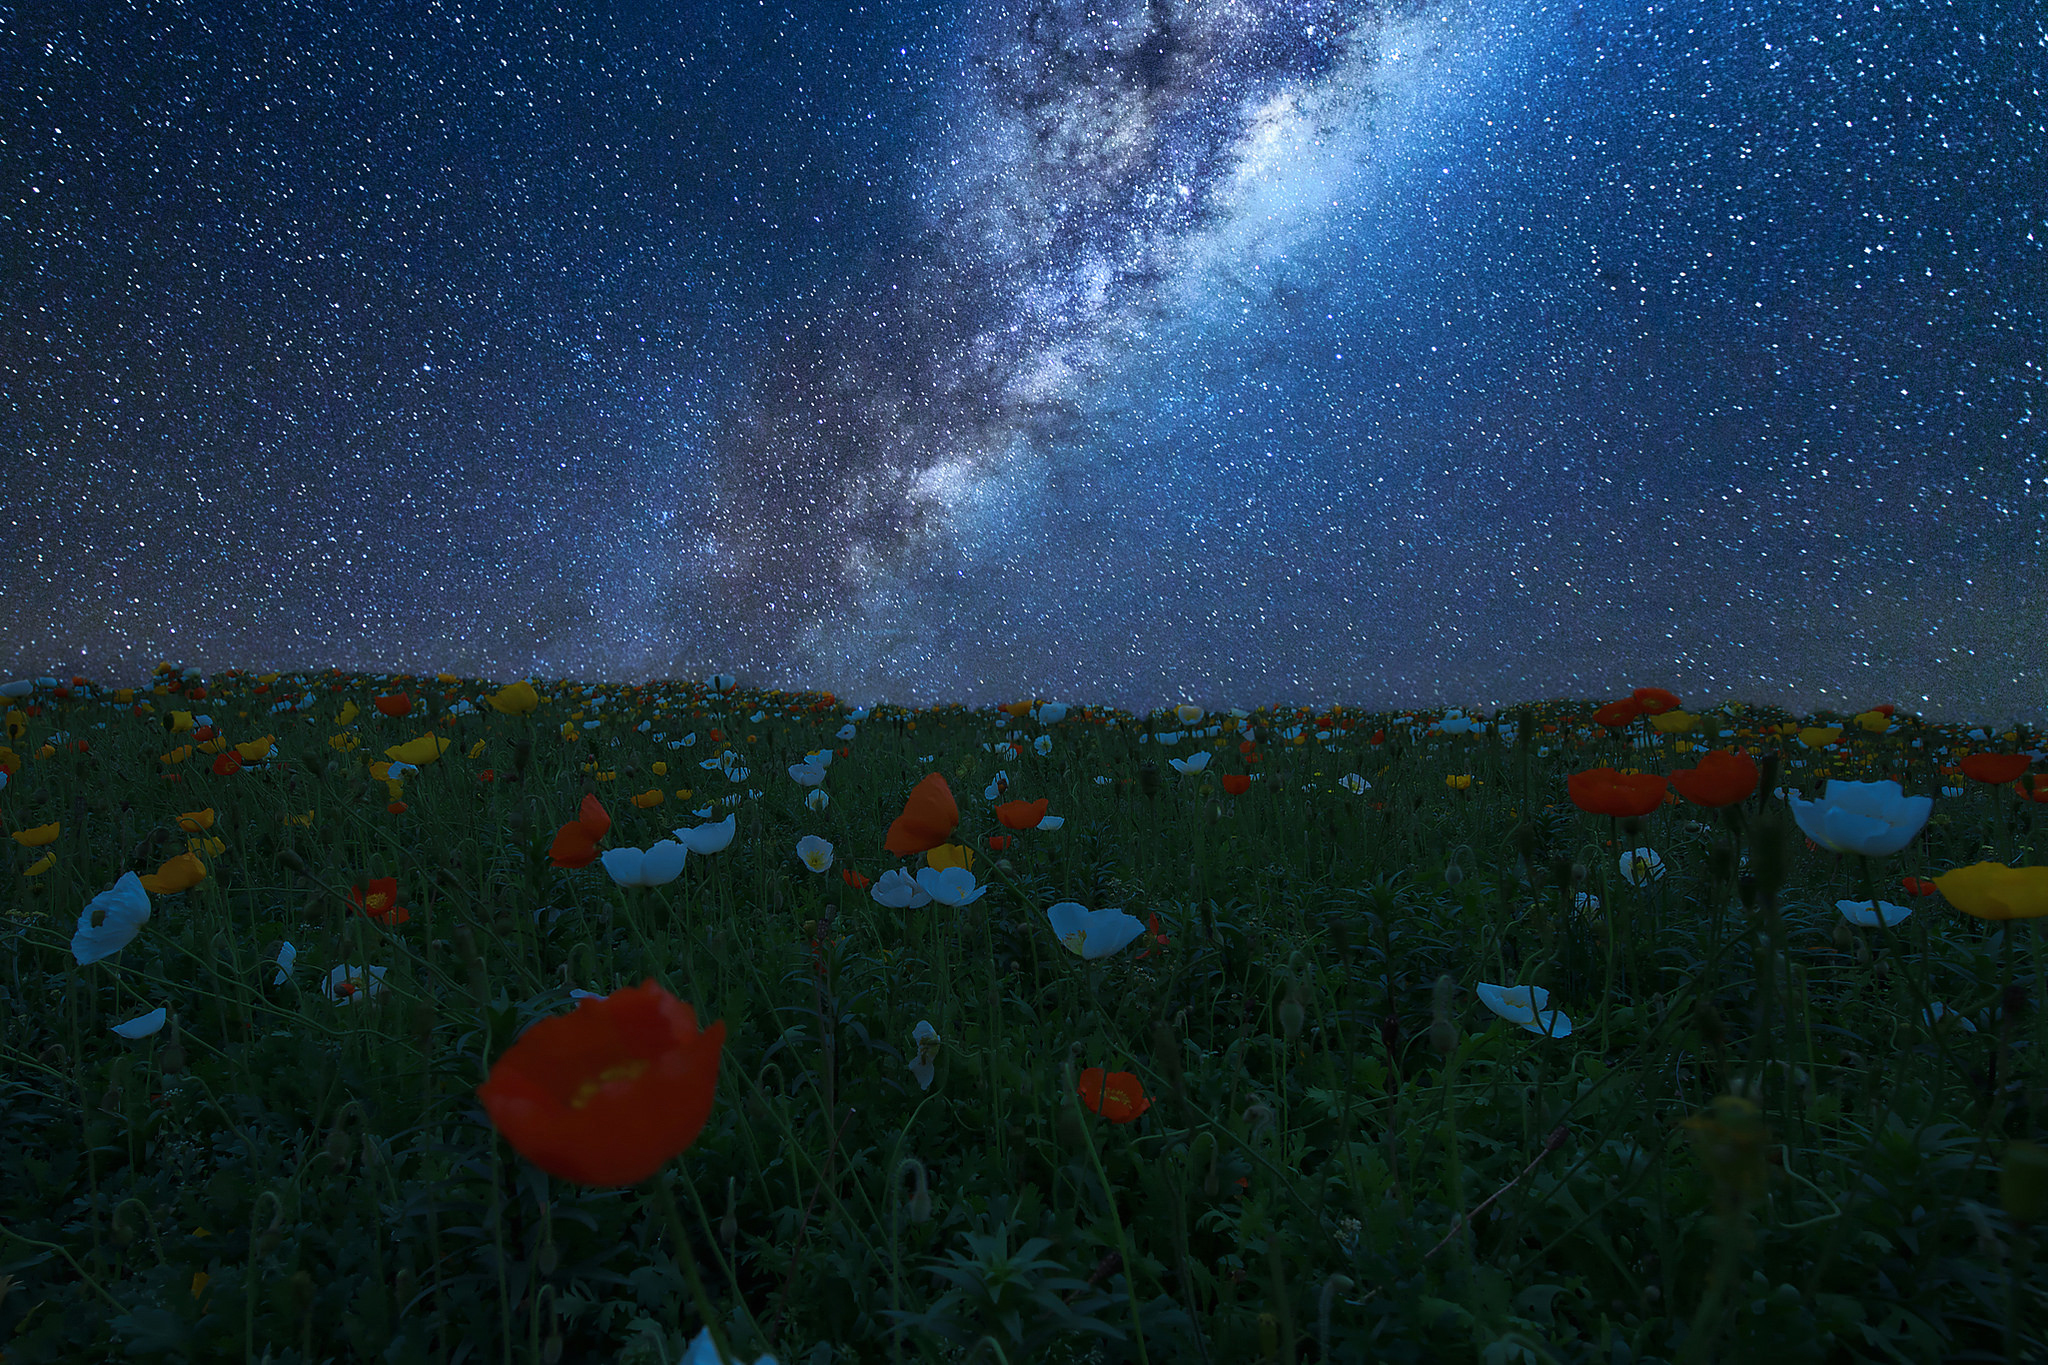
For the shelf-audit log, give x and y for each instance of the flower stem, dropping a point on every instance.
(688, 1261)
(1123, 1242)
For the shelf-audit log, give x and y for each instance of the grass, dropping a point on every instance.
(1751, 1146)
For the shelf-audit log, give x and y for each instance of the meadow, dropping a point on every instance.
(337, 1023)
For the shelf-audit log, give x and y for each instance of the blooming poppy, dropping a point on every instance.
(1157, 935)
(38, 837)
(1721, 779)
(854, 879)
(1022, 814)
(1605, 791)
(380, 901)
(418, 752)
(181, 873)
(2029, 790)
(657, 865)
(196, 821)
(949, 855)
(1995, 891)
(1654, 701)
(576, 842)
(1616, 714)
(397, 706)
(111, 920)
(997, 843)
(649, 799)
(1918, 886)
(515, 699)
(1116, 1095)
(608, 1094)
(1870, 818)
(1994, 769)
(1093, 933)
(930, 816)
(816, 853)
(1528, 1006)
(1237, 784)
(227, 764)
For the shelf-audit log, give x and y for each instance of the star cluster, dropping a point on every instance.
(1133, 350)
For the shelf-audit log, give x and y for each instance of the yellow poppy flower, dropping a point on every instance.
(17, 722)
(682, 793)
(181, 721)
(569, 733)
(1995, 891)
(348, 714)
(213, 746)
(476, 750)
(418, 752)
(661, 770)
(343, 742)
(1876, 722)
(648, 799)
(446, 678)
(1458, 781)
(40, 865)
(950, 855)
(196, 821)
(47, 751)
(181, 873)
(1820, 736)
(1674, 722)
(515, 699)
(607, 777)
(37, 837)
(178, 755)
(306, 819)
(125, 695)
(257, 749)
(210, 847)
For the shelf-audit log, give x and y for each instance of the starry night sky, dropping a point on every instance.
(1234, 351)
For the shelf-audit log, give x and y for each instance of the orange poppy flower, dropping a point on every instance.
(998, 842)
(1995, 768)
(2038, 794)
(929, 818)
(181, 873)
(854, 879)
(1918, 886)
(576, 842)
(1654, 701)
(380, 901)
(1116, 1095)
(609, 1094)
(227, 764)
(1022, 814)
(1237, 784)
(1721, 779)
(1616, 714)
(397, 705)
(1603, 791)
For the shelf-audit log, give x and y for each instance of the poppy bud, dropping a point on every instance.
(1443, 1034)
(546, 1260)
(292, 861)
(405, 1284)
(1454, 875)
(1292, 1017)
(1844, 939)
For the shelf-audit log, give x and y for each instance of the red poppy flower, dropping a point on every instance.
(717, 736)
(1604, 791)
(1379, 737)
(854, 879)
(2039, 794)
(1655, 701)
(1918, 886)
(1244, 746)
(379, 901)
(609, 1094)
(929, 818)
(1721, 779)
(197, 694)
(1995, 768)
(1237, 784)
(396, 807)
(998, 842)
(396, 705)
(576, 842)
(487, 775)
(1157, 935)
(1616, 714)
(227, 763)
(1887, 709)
(1116, 1095)
(203, 733)
(1021, 814)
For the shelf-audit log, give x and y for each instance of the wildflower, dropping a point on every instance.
(181, 873)
(1617, 714)
(39, 837)
(576, 842)
(1642, 866)
(347, 716)
(1918, 886)
(1093, 933)
(702, 839)
(1116, 1095)
(1870, 914)
(1673, 722)
(950, 886)
(40, 865)
(927, 1040)
(1937, 1013)
(1605, 791)
(1654, 701)
(817, 800)
(227, 764)
(1870, 818)
(143, 1025)
(287, 956)
(608, 1094)
(196, 821)
(815, 852)
(256, 750)
(1994, 769)
(898, 890)
(111, 920)
(515, 699)
(854, 879)
(353, 985)
(1995, 891)
(1721, 779)
(1190, 765)
(1458, 782)
(809, 773)
(1350, 782)
(649, 799)
(1819, 736)
(1158, 936)
(1528, 1006)
(379, 901)
(1021, 814)
(1237, 784)
(949, 855)
(418, 752)
(397, 706)
(657, 865)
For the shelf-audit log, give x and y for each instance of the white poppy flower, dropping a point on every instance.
(1642, 866)
(818, 799)
(815, 852)
(995, 789)
(1052, 713)
(349, 985)
(1937, 1012)
(1051, 822)
(950, 885)
(287, 957)
(143, 1024)
(655, 866)
(709, 838)
(1861, 913)
(111, 920)
(1586, 902)
(1190, 765)
(927, 1039)
(846, 732)
(1043, 744)
(704, 1351)
(1093, 933)
(899, 890)
(1528, 1006)
(1870, 818)
(809, 774)
(1353, 783)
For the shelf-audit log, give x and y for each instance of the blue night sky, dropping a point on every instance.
(1141, 351)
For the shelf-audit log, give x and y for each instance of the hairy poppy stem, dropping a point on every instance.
(706, 1311)
(1123, 1242)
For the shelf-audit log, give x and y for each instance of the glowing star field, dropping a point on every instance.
(1130, 351)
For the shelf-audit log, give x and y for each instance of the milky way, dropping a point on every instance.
(1130, 351)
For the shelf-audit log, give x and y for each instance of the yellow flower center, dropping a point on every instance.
(378, 900)
(618, 1071)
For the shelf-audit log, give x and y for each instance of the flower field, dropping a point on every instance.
(422, 1019)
